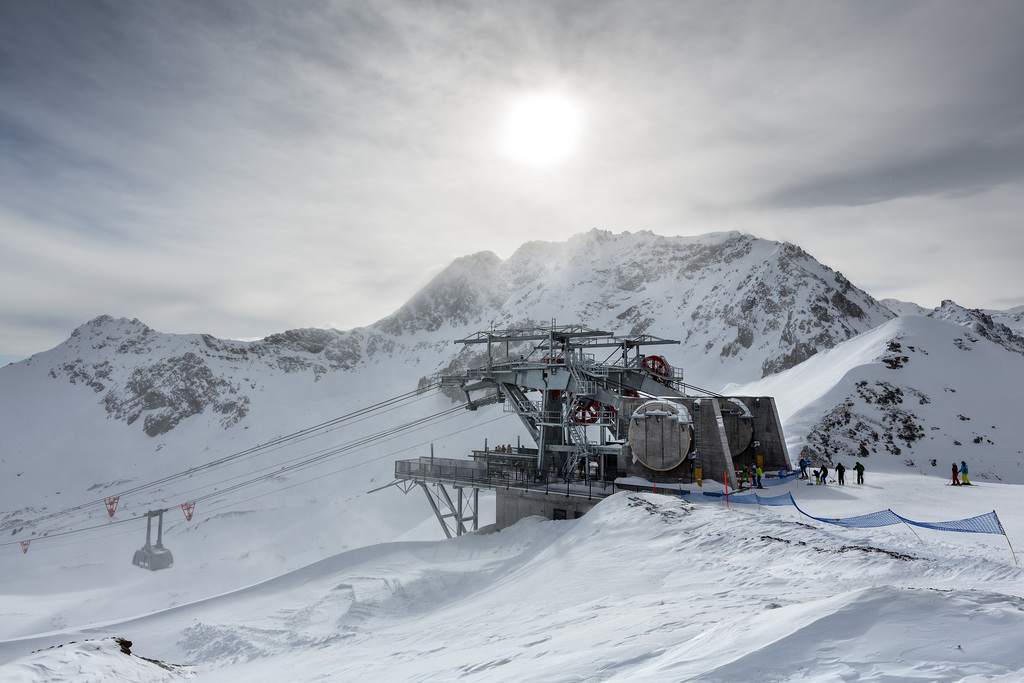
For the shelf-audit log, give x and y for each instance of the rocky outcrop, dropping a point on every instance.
(980, 324)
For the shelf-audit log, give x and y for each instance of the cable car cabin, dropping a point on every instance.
(153, 557)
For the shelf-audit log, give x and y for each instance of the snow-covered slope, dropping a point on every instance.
(162, 419)
(1012, 318)
(645, 587)
(919, 392)
(904, 307)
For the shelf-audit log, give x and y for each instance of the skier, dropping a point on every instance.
(803, 469)
(841, 474)
(758, 473)
(824, 474)
(860, 472)
(956, 479)
(963, 474)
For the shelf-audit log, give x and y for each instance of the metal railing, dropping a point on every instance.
(484, 475)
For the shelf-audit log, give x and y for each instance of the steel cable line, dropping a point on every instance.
(305, 461)
(302, 461)
(57, 534)
(296, 466)
(276, 468)
(394, 432)
(75, 541)
(333, 452)
(229, 458)
(359, 464)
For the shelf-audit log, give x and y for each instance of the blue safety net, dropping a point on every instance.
(738, 498)
(745, 499)
(753, 498)
(777, 501)
(987, 523)
(868, 521)
(783, 478)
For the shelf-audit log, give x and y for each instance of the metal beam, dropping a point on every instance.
(465, 510)
(437, 512)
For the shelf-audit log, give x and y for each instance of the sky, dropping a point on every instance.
(244, 168)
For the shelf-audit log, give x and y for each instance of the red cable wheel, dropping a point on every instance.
(657, 365)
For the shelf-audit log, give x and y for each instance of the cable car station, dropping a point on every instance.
(600, 410)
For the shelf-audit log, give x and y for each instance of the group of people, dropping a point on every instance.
(962, 472)
(753, 473)
(821, 474)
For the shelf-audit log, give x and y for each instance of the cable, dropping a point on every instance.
(331, 453)
(301, 464)
(393, 433)
(305, 433)
(365, 462)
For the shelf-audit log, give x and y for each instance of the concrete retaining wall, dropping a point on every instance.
(512, 505)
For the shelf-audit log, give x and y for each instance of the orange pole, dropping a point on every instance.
(725, 478)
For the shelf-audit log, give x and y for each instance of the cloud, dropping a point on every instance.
(240, 168)
(965, 170)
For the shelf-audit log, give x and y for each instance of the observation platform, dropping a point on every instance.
(520, 490)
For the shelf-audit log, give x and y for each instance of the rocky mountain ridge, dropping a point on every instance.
(742, 307)
(980, 323)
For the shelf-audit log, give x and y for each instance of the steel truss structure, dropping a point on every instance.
(574, 390)
(566, 382)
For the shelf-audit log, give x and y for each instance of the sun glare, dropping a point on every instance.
(541, 129)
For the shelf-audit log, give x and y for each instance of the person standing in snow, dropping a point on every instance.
(956, 478)
(824, 474)
(841, 474)
(963, 474)
(860, 472)
(803, 469)
(758, 472)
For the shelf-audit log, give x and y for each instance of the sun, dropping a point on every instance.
(541, 129)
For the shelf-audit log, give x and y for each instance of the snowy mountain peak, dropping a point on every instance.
(981, 324)
(453, 297)
(103, 330)
(744, 307)
(162, 379)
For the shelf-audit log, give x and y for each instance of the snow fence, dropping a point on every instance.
(987, 523)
